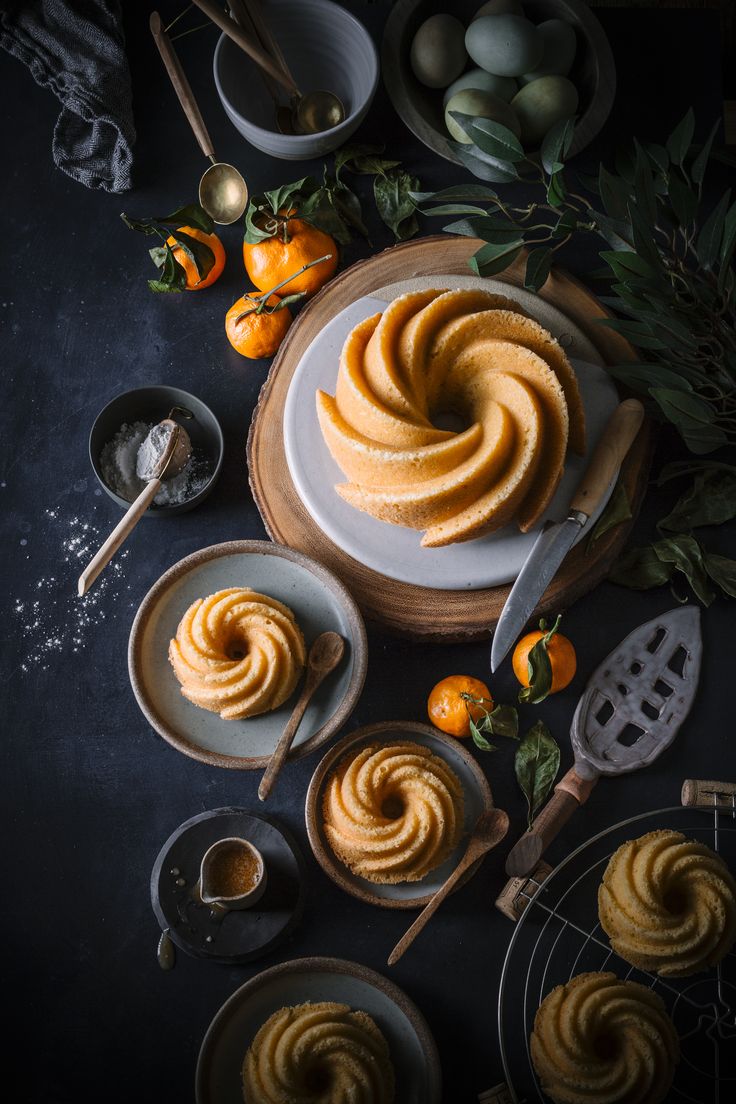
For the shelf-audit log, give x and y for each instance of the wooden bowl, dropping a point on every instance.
(478, 799)
(593, 72)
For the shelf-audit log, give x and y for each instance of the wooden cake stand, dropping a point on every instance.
(422, 613)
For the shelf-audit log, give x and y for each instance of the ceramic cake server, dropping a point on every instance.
(558, 537)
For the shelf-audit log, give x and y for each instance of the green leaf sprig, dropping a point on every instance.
(669, 259)
(536, 763)
(616, 511)
(678, 556)
(540, 666)
(503, 720)
(332, 206)
(172, 275)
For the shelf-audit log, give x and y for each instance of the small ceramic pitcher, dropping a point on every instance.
(225, 864)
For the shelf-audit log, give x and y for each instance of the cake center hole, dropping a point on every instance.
(452, 420)
(606, 1047)
(237, 649)
(675, 901)
(317, 1080)
(392, 808)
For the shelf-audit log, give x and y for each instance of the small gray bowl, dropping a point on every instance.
(325, 47)
(151, 404)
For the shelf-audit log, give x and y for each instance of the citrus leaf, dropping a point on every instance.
(504, 721)
(640, 377)
(395, 205)
(190, 215)
(198, 252)
(536, 764)
(710, 500)
(538, 264)
(686, 554)
(479, 739)
(722, 571)
(641, 569)
(539, 669)
(617, 510)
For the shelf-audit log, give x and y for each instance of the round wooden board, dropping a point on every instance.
(420, 612)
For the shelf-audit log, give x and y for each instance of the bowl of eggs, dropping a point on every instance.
(523, 63)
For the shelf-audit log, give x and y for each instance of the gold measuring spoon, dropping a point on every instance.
(309, 113)
(222, 191)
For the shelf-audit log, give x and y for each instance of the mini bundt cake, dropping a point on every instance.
(237, 653)
(668, 904)
(473, 354)
(394, 812)
(319, 1053)
(600, 1040)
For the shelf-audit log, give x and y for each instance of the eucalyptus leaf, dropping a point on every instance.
(489, 228)
(614, 194)
(556, 144)
(454, 209)
(646, 200)
(638, 333)
(642, 376)
(626, 264)
(538, 264)
(680, 140)
(536, 764)
(491, 259)
(491, 137)
(363, 159)
(556, 189)
(683, 199)
(486, 168)
(709, 239)
(700, 163)
(466, 193)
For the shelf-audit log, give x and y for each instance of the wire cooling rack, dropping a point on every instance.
(559, 936)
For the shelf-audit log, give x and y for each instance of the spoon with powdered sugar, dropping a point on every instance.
(163, 454)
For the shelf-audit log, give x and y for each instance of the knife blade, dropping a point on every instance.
(557, 538)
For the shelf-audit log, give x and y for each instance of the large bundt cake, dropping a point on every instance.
(472, 354)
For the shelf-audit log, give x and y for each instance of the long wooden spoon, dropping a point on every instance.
(324, 656)
(490, 828)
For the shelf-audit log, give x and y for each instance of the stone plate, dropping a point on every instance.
(393, 550)
(319, 601)
(238, 935)
(413, 1050)
(478, 800)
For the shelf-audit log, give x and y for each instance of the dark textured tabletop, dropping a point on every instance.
(88, 791)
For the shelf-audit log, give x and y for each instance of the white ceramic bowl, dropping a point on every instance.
(325, 47)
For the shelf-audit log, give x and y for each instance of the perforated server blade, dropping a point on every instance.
(630, 711)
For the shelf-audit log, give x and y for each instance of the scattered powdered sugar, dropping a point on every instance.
(53, 619)
(119, 467)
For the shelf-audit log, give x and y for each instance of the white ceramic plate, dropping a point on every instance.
(320, 602)
(413, 1050)
(476, 792)
(393, 550)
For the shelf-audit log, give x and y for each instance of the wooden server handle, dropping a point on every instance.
(251, 48)
(608, 455)
(181, 85)
(570, 793)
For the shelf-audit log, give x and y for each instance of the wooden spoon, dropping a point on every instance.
(324, 656)
(489, 830)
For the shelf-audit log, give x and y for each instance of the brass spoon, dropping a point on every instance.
(490, 828)
(324, 656)
(308, 113)
(222, 191)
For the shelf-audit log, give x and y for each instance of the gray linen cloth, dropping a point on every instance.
(76, 50)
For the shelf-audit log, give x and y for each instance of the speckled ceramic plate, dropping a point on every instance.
(476, 790)
(413, 1050)
(319, 601)
(394, 550)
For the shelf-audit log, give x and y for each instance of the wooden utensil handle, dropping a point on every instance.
(242, 17)
(313, 680)
(429, 910)
(265, 35)
(181, 85)
(608, 455)
(529, 848)
(259, 56)
(121, 531)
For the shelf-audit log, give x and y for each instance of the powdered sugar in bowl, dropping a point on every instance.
(119, 431)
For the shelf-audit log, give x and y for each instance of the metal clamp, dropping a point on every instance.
(711, 795)
(518, 892)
